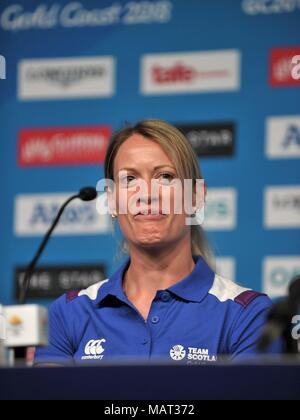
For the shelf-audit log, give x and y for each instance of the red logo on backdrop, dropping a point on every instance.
(284, 67)
(183, 73)
(63, 146)
(176, 73)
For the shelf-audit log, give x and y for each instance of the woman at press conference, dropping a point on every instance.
(165, 302)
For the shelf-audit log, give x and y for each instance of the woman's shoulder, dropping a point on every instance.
(226, 290)
(90, 295)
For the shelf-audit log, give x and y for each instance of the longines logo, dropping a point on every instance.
(66, 76)
(2, 68)
(70, 77)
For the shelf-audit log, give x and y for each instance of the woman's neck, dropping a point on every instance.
(151, 271)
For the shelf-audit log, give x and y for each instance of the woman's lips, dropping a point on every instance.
(149, 216)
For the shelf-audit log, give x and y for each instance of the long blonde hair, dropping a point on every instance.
(175, 144)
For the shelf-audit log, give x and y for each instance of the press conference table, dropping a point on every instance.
(280, 381)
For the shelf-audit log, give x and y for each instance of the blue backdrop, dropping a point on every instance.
(253, 28)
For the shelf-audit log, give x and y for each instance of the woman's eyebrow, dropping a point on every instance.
(155, 168)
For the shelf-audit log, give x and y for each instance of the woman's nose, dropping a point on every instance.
(149, 194)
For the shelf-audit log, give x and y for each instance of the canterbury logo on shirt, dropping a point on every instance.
(94, 349)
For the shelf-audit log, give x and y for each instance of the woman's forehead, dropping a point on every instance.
(139, 151)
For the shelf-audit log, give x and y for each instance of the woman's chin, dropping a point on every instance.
(150, 243)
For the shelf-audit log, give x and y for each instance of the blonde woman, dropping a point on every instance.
(165, 301)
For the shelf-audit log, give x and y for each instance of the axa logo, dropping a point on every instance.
(94, 350)
(2, 68)
(292, 136)
(35, 212)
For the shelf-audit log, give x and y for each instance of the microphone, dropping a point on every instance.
(26, 325)
(280, 318)
(88, 194)
(85, 194)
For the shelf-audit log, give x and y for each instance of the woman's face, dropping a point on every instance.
(140, 159)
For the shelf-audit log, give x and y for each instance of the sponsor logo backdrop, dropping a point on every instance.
(221, 71)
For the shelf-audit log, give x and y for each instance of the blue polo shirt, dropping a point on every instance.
(196, 320)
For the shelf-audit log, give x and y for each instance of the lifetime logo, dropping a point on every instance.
(2, 68)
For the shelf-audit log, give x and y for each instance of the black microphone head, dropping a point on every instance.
(88, 194)
(294, 289)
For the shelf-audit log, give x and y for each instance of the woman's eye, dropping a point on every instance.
(127, 180)
(165, 177)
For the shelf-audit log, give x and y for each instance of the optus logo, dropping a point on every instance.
(2, 68)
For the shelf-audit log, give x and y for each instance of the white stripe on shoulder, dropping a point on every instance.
(92, 291)
(224, 289)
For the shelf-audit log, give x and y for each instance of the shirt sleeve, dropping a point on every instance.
(60, 348)
(248, 328)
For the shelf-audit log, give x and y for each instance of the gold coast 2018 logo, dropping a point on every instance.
(2, 68)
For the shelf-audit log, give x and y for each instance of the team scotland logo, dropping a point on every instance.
(178, 352)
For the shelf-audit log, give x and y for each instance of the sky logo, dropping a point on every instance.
(2, 68)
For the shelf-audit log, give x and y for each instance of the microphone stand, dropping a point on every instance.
(34, 318)
(31, 267)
